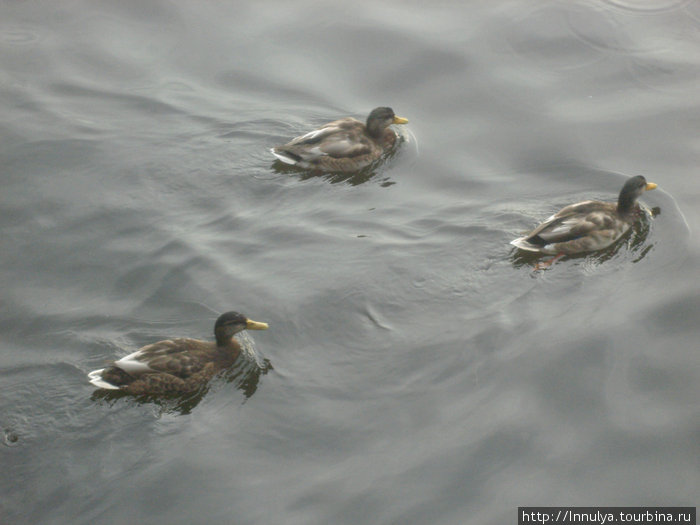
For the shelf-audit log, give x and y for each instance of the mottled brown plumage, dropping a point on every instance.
(176, 365)
(342, 145)
(587, 226)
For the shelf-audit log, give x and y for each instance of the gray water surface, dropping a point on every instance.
(416, 369)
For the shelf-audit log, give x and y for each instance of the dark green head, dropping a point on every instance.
(631, 191)
(231, 323)
(380, 119)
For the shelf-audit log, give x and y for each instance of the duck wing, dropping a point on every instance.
(341, 138)
(181, 357)
(574, 221)
(163, 383)
(588, 225)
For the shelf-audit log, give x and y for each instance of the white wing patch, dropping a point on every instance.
(314, 136)
(312, 153)
(564, 227)
(311, 135)
(133, 364)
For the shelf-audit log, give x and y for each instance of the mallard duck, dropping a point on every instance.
(586, 226)
(342, 145)
(176, 365)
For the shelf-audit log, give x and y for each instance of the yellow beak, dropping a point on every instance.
(400, 120)
(650, 186)
(253, 325)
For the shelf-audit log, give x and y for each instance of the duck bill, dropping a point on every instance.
(400, 120)
(650, 186)
(254, 325)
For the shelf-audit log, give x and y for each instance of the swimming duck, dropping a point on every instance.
(342, 145)
(176, 365)
(586, 226)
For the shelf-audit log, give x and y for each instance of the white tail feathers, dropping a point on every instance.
(281, 156)
(96, 379)
(523, 244)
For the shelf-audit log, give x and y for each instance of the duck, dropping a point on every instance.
(342, 145)
(586, 226)
(177, 365)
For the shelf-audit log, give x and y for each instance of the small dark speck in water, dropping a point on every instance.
(10, 437)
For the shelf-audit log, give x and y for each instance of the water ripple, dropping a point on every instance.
(19, 36)
(646, 6)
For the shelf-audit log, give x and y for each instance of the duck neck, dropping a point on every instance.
(625, 203)
(223, 340)
(227, 352)
(228, 349)
(374, 128)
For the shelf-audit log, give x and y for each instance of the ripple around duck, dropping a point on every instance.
(661, 235)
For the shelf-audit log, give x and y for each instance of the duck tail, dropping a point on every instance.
(110, 378)
(285, 156)
(524, 244)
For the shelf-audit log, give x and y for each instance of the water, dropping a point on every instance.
(416, 369)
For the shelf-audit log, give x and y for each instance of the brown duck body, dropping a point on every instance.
(587, 226)
(176, 365)
(342, 145)
(173, 365)
(582, 227)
